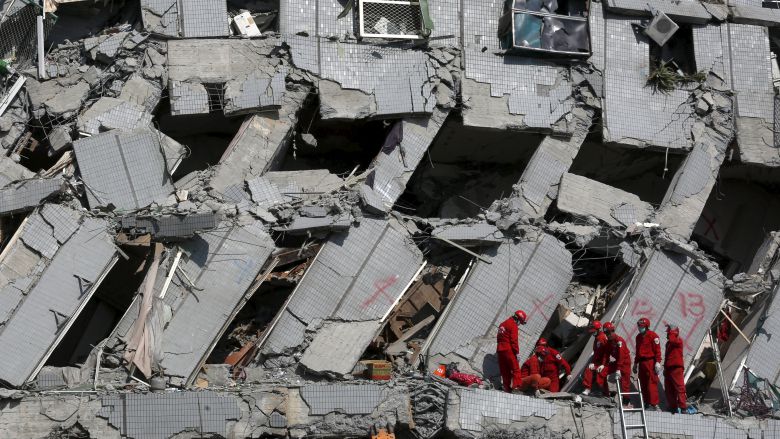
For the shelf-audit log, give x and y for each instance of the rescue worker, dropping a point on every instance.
(620, 359)
(552, 364)
(596, 370)
(530, 374)
(507, 349)
(674, 373)
(647, 362)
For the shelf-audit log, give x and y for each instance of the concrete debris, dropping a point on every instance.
(168, 227)
(586, 198)
(126, 170)
(257, 218)
(109, 113)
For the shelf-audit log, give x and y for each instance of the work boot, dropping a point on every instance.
(678, 410)
(655, 408)
(586, 392)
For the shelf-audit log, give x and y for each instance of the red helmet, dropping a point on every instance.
(609, 327)
(542, 342)
(520, 316)
(541, 350)
(643, 322)
(594, 326)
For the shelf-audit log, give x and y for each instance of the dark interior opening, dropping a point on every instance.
(774, 38)
(236, 346)
(82, 19)
(738, 217)
(466, 169)
(265, 13)
(103, 311)
(678, 53)
(8, 227)
(251, 321)
(644, 173)
(207, 136)
(339, 146)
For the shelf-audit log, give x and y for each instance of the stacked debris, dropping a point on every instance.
(292, 218)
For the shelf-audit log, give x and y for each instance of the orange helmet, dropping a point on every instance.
(542, 342)
(520, 316)
(643, 322)
(609, 327)
(594, 326)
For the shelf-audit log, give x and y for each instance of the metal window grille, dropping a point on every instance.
(18, 38)
(390, 19)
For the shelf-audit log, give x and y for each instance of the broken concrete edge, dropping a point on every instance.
(249, 411)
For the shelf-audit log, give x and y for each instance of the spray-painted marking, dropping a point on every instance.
(710, 226)
(539, 306)
(381, 290)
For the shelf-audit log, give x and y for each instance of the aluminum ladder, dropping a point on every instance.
(623, 410)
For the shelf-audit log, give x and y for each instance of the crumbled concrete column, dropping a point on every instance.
(538, 186)
(688, 193)
(394, 165)
(259, 145)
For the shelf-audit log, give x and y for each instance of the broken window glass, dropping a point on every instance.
(553, 27)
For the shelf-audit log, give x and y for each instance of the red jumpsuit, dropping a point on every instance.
(507, 348)
(618, 350)
(600, 358)
(674, 373)
(465, 379)
(530, 375)
(551, 366)
(648, 353)
(724, 330)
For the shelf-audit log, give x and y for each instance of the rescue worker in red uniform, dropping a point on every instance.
(674, 373)
(530, 374)
(647, 362)
(597, 368)
(507, 349)
(552, 364)
(620, 358)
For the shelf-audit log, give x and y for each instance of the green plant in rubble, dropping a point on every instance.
(665, 79)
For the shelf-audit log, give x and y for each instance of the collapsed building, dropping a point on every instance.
(261, 218)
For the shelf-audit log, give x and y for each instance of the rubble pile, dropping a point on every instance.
(263, 218)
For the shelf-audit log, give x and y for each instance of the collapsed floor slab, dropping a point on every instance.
(125, 169)
(584, 197)
(358, 276)
(50, 269)
(531, 275)
(23, 195)
(761, 357)
(201, 288)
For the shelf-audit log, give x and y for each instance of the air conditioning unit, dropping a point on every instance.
(661, 28)
(390, 19)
